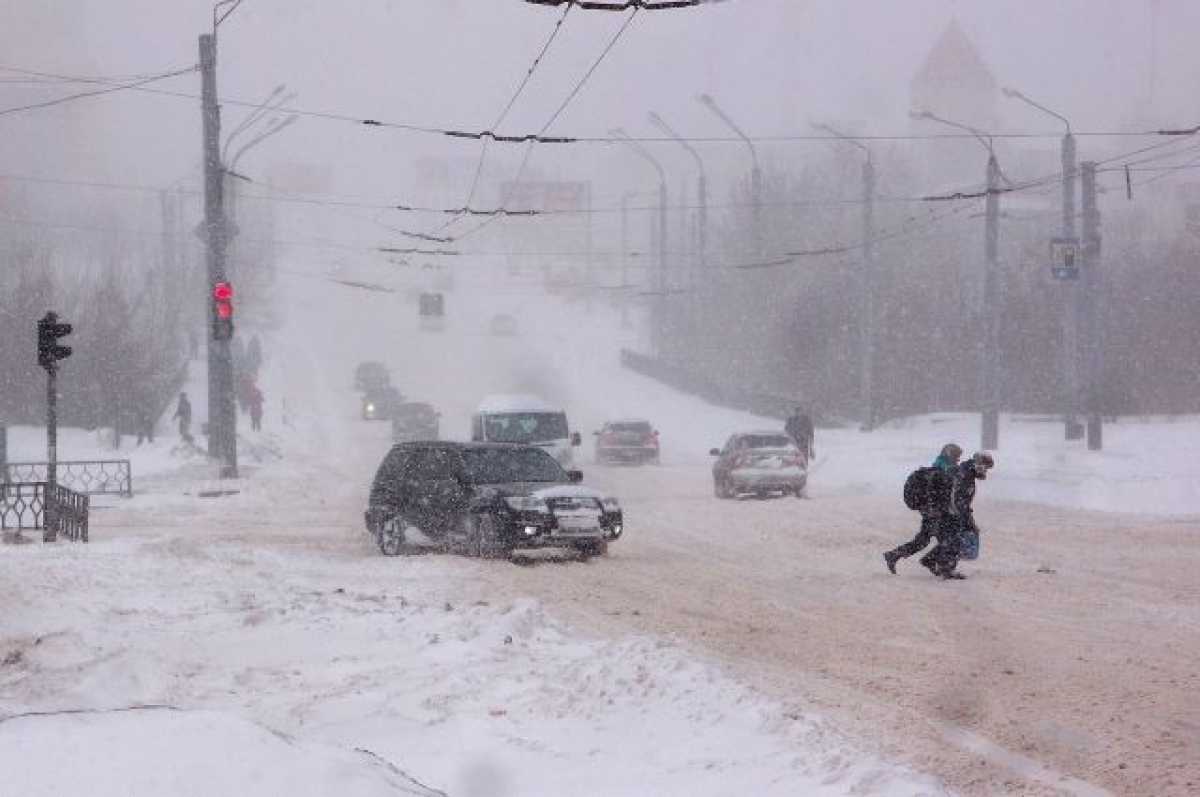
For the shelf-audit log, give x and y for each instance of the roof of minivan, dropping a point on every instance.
(515, 403)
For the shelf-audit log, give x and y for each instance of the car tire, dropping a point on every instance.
(721, 490)
(390, 537)
(588, 550)
(485, 541)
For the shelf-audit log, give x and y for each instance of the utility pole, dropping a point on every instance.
(661, 288)
(989, 354)
(222, 412)
(1070, 349)
(867, 327)
(1093, 360)
(1071, 336)
(625, 260)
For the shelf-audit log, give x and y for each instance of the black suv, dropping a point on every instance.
(487, 499)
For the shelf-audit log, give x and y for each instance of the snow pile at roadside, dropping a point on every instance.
(1146, 466)
(418, 660)
(157, 751)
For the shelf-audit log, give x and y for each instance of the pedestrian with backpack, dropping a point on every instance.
(961, 537)
(928, 491)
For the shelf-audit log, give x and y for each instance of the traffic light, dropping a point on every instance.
(222, 312)
(49, 331)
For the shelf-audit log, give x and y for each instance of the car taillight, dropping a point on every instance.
(652, 440)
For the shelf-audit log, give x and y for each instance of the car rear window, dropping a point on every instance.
(766, 441)
(641, 427)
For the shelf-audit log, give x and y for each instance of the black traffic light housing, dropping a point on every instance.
(49, 331)
(222, 311)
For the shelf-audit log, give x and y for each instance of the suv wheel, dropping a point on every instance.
(391, 537)
(598, 548)
(484, 540)
(720, 489)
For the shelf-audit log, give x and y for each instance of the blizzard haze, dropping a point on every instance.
(711, 220)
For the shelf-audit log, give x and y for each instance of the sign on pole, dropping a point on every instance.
(1064, 258)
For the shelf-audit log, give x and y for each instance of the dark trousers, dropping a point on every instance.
(918, 543)
(944, 556)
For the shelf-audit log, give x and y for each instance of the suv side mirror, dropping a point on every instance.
(574, 476)
(576, 439)
(714, 452)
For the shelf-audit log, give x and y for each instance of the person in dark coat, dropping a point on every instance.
(255, 404)
(932, 516)
(145, 422)
(799, 427)
(946, 553)
(183, 414)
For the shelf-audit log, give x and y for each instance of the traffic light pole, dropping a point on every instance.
(49, 513)
(222, 411)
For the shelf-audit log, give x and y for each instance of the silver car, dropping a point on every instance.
(760, 463)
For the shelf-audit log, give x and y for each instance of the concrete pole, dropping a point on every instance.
(989, 354)
(625, 260)
(661, 288)
(1093, 360)
(1071, 310)
(222, 412)
(867, 327)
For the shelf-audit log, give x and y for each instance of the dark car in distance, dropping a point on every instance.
(413, 421)
(371, 375)
(488, 500)
(630, 441)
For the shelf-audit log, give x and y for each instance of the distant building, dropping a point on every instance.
(954, 82)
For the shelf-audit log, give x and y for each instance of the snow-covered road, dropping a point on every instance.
(749, 647)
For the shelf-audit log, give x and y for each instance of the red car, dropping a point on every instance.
(629, 441)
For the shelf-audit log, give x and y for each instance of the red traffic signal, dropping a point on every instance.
(49, 331)
(222, 320)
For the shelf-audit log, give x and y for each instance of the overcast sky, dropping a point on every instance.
(774, 64)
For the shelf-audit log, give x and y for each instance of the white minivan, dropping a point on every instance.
(525, 419)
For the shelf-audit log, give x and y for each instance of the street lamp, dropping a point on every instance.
(1072, 430)
(656, 327)
(755, 175)
(263, 108)
(701, 220)
(702, 186)
(987, 345)
(867, 280)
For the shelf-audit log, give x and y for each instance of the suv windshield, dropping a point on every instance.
(507, 466)
(526, 427)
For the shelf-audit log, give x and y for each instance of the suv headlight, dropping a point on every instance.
(611, 505)
(527, 503)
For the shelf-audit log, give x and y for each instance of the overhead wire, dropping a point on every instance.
(579, 85)
(512, 101)
(112, 89)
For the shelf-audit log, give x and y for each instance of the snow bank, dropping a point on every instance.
(1147, 466)
(157, 751)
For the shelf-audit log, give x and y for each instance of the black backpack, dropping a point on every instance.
(927, 488)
